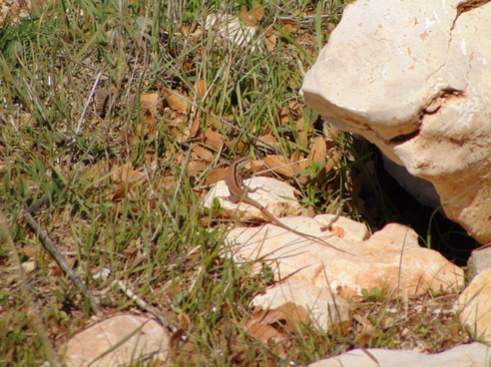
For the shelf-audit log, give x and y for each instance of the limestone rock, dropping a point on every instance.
(414, 77)
(230, 28)
(474, 305)
(390, 259)
(479, 261)
(324, 308)
(132, 337)
(276, 196)
(469, 355)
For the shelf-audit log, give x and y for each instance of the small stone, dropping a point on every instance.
(469, 355)
(132, 338)
(230, 29)
(29, 266)
(474, 305)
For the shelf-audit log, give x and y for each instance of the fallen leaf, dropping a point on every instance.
(270, 42)
(195, 125)
(201, 88)
(256, 166)
(214, 139)
(149, 102)
(125, 179)
(200, 153)
(169, 183)
(274, 325)
(149, 105)
(303, 133)
(195, 167)
(269, 139)
(280, 165)
(319, 150)
(367, 331)
(264, 333)
(176, 100)
(283, 116)
(253, 17)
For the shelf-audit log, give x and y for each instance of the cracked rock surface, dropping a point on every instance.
(414, 78)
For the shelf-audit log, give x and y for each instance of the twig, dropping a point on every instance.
(49, 246)
(144, 305)
(87, 102)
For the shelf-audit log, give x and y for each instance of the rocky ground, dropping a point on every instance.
(126, 222)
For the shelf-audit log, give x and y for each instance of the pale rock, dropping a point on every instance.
(29, 266)
(276, 196)
(230, 29)
(324, 308)
(474, 305)
(469, 355)
(135, 338)
(390, 259)
(414, 77)
(479, 261)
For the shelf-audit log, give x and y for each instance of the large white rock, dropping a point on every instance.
(414, 78)
(391, 259)
(470, 355)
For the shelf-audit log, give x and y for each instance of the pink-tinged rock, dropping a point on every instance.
(474, 305)
(414, 78)
(277, 196)
(391, 259)
(469, 355)
(132, 338)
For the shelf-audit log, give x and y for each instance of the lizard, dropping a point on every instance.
(239, 193)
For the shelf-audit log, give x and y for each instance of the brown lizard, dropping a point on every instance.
(239, 193)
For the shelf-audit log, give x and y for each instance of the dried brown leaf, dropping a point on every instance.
(195, 125)
(149, 106)
(149, 102)
(270, 42)
(280, 165)
(274, 325)
(319, 150)
(200, 153)
(214, 139)
(201, 88)
(269, 139)
(125, 179)
(283, 116)
(176, 100)
(264, 333)
(252, 17)
(195, 167)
